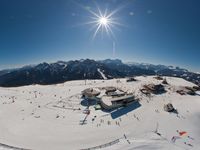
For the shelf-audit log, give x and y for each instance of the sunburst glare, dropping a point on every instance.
(104, 22)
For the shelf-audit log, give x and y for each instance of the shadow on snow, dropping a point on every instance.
(88, 102)
(124, 110)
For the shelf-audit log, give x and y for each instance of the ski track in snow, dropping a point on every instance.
(102, 74)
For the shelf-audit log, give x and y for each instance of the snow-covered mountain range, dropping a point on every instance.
(61, 71)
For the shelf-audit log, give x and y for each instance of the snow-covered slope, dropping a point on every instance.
(48, 118)
(102, 74)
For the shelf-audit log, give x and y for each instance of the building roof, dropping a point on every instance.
(108, 100)
(110, 89)
(90, 92)
(152, 88)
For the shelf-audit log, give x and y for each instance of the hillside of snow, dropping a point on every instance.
(40, 117)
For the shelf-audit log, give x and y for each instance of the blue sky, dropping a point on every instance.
(154, 31)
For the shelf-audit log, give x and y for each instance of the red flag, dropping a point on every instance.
(182, 133)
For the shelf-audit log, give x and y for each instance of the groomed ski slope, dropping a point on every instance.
(49, 118)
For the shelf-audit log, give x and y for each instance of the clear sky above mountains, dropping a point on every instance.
(153, 31)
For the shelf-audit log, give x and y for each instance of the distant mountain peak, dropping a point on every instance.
(112, 61)
(61, 71)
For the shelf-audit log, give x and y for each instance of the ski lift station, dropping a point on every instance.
(108, 97)
(109, 103)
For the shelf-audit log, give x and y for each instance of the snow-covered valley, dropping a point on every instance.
(48, 117)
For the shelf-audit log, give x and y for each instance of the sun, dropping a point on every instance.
(103, 21)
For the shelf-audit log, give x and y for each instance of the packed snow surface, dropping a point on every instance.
(50, 117)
